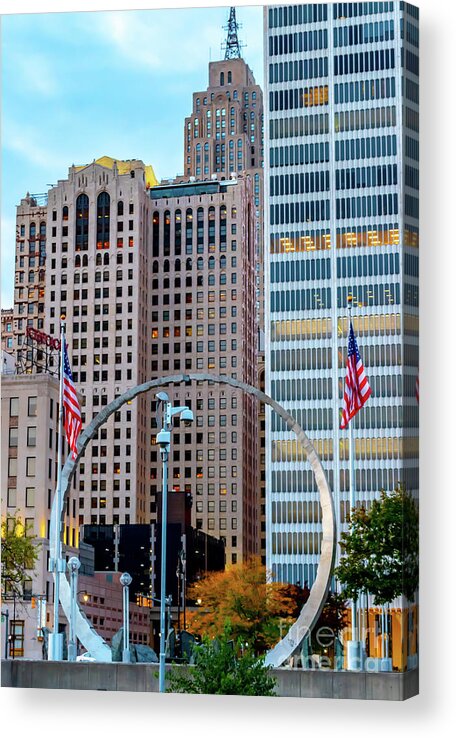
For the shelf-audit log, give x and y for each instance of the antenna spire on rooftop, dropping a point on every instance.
(232, 46)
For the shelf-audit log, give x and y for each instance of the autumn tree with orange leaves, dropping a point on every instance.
(257, 609)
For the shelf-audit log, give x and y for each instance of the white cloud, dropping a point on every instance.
(166, 41)
(34, 72)
(25, 141)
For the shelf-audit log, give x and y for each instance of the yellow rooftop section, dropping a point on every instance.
(124, 167)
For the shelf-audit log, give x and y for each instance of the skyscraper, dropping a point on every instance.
(341, 180)
(98, 276)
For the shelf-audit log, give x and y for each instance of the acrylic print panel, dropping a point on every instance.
(242, 334)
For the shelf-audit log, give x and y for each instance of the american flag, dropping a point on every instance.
(357, 389)
(73, 423)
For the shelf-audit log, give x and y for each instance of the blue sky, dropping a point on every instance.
(77, 86)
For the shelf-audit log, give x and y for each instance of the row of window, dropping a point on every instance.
(297, 480)
(364, 33)
(290, 390)
(293, 71)
(33, 231)
(367, 206)
(368, 265)
(305, 360)
(412, 62)
(301, 389)
(366, 449)
(364, 61)
(296, 511)
(320, 298)
(296, 544)
(368, 89)
(342, 11)
(411, 206)
(402, 416)
(370, 294)
(302, 125)
(210, 508)
(300, 330)
(412, 119)
(360, 120)
(299, 212)
(300, 270)
(291, 43)
(291, 15)
(412, 91)
(304, 299)
(299, 154)
(298, 183)
(312, 240)
(411, 265)
(412, 148)
(359, 177)
(373, 235)
(298, 97)
(365, 148)
(412, 33)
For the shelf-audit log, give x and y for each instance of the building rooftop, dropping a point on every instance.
(124, 167)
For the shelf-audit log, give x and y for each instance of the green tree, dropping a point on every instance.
(221, 667)
(380, 549)
(19, 554)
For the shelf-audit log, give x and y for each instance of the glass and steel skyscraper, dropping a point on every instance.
(341, 179)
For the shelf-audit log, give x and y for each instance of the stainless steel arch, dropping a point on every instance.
(314, 605)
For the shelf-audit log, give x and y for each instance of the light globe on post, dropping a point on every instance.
(125, 581)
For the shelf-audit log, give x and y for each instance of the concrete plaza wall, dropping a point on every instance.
(144, 678)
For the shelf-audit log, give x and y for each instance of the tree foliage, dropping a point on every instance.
(243, 595)
(223, 668)
(19, 554)
(258, 610)
(380, 549)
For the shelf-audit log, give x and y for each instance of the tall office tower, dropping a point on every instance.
(204, 320)
(342, 187)
(97, 275)
(223, 137)
(30, 273)
(224, 134)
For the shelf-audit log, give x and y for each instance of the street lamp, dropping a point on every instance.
(125, 581)
(73, 567)
(164, 441)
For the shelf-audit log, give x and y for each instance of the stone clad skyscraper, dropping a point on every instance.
(341, 180)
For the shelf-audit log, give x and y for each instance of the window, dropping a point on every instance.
(30, 496)
(32, 406)
(14, 407)
(82, 223)
(31, 436)
(103, 213)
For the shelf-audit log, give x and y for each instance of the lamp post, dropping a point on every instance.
(5, 617)
(125, 581)
(73, 567)
(164, 441)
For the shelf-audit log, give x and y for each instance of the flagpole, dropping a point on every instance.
(354, 656)
(56, 650)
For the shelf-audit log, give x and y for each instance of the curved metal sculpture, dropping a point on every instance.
(318, 593)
